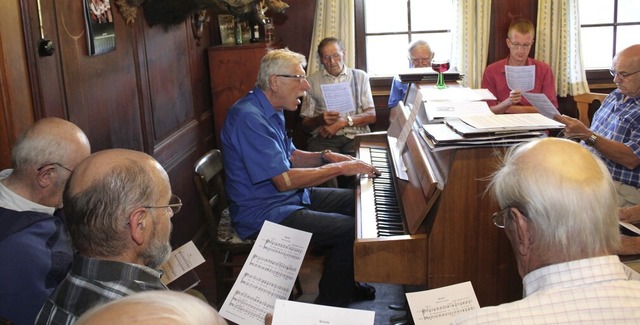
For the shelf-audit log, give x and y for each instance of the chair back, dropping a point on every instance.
(209, 180)
(583, 101)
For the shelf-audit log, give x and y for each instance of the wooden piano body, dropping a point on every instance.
(450, 237)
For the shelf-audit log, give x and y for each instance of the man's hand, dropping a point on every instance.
(630, 214)
(330, 117)
(515, 96)
(574, 128)
(357, 166)
(329, 131)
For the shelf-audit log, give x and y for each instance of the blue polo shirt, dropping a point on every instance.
(255, 148)
(397, 93)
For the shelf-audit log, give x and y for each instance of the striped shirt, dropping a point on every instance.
(93, 281)
(619, 121)
(589, 291)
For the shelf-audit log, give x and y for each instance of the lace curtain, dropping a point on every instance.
(558, 44)
(470, 35)
(334, 18)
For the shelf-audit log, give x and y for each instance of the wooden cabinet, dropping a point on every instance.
(233, 71)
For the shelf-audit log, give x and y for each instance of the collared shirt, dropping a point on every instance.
(35, 251)
(619, 120)
(94, 281)
(255, 148)
(495, 80)
(397, 93)
(314, 104)
(588, 291)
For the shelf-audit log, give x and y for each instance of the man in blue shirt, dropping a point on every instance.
(420, 56)
(267, 178)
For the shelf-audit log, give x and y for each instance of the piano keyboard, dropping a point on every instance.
(385, 219)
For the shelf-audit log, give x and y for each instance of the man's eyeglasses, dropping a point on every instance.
(55, 163)
(521, 46)
(293, 76)
(334, 56)
(175, 204)
(622, 75)
(422, 61)
(498, 217)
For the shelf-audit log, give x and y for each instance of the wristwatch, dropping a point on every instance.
(323, 157)
(591, 140)
(350, 120)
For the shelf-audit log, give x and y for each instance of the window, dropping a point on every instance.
(607, 27)
(391, 25)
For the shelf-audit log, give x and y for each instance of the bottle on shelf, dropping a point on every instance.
(255, 34)
(238, 33)
(269, 30)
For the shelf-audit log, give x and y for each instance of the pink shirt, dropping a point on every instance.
(495, 80)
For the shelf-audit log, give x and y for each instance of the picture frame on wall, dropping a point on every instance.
(227, 29)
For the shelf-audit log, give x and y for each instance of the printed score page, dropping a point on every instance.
(520, 78)
(268, 274)
(182, 260)
(338, 97)
(442, 305)
(296, 313)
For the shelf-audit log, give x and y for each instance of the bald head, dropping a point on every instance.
(566, 193)
(627, 62)
(154, 307)
(103, 193)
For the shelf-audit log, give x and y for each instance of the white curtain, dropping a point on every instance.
(334, 18)
(470, 39)
(558, 44)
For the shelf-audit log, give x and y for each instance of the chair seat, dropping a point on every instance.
(227, 234)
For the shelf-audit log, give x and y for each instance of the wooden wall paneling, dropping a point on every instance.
(295, 26)
(502, 13)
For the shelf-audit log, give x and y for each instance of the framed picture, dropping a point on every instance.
(227, 29)
(101, 33)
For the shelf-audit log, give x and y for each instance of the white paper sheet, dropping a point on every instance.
(440, 110)
(520, 78)
(338, 97)
(526, 121)
(542, 104)
(269, 273)
(182, 260)
(295, 313)
(450, 94)
(442, 305)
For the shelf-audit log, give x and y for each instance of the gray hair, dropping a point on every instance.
(277, 62)
(418, 43)
(572, 209)
(96, 216)
(154, 307)
(35, 149)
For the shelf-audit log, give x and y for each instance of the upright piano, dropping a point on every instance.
(443, 233)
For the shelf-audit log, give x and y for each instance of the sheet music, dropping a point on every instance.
(442, 305)
(268, 274)
(182, 260)
(542, 104)
(450, 94)
(510, 121)
(440, 110)
(338, 97)
(520, 78)
(296, 313)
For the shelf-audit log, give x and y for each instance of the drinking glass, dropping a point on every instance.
(440, 66)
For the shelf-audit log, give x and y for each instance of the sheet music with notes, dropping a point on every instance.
(268, 274)
(296, 313)
(338, 97)
(442, 305)
(520, 78)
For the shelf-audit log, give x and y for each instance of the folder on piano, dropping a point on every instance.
(428, 75)
(487, 125)
(439, 135)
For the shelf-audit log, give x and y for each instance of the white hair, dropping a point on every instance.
(154, 307)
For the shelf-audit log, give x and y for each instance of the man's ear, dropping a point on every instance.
(137, 225)
(522, 231)
(44, 177)
(273, 83)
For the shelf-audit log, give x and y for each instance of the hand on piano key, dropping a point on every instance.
(357, 166)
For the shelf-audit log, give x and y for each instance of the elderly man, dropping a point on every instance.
(520, 37)
(419, 56)
(269, 179)
(559, 212)
(331, 130)
(35, 249)
(119, 206)
(615, 136)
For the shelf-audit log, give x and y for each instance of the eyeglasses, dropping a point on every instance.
(422, 61)
(293, 76)
(521, 46)
(498, 217)
(175, 204)
(622, 75)
(55, 163)
(334, 56)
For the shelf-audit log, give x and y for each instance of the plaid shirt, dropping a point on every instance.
(91, 282)
(619, 121)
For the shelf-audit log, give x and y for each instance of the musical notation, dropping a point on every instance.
(268, 274)
(442, 305)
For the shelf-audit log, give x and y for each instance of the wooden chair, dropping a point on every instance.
(209, 180)
(583, 101)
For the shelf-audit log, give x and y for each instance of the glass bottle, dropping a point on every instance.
(269, 30)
